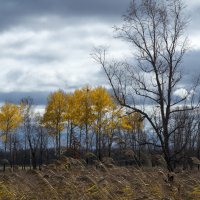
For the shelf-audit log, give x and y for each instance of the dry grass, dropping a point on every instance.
(71, 179)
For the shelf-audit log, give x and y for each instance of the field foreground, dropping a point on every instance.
(72, 179)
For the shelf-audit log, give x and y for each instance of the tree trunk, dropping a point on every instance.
(34, 163)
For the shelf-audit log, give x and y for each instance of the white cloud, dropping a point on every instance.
(50, 51)
(181, 92)
(45, 60)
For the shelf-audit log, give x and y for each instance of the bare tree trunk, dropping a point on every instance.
(156, 31)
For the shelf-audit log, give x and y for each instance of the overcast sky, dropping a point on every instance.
(46, 44)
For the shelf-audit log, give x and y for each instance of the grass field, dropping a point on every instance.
(72, 179)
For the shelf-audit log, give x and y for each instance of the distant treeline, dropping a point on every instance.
(87, 120)
(88, 124)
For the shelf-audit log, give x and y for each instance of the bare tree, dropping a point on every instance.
(156, 31)
(32, 131)
(27, 112)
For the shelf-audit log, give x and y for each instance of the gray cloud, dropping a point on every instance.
(15, 12)
(191, 61)
(191, 67)
(45, 44)
(39, 98)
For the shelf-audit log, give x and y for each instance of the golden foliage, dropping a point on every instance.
(54, 116)
(10, 119)
(87, 107)
(132, 121)
(102, 106)
(80, 110)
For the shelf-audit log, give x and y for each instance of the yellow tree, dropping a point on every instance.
(113, 124)
(84, 110)
(132, 121)
(80, 113)
(10, 119)
(132, 124)
(71, 116)
(54, 116)
(102, 104)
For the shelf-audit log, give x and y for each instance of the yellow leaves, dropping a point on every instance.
(102, 107)
(56, 103)
(125, 123)
(89, 107)
(80, 109)
(113, 120)
(132, 121)
(10, 118)
(101, 100)
(95, 107)
(54, 116)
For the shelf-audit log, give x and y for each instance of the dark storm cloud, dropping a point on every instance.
(39, 98)
(13, 12)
